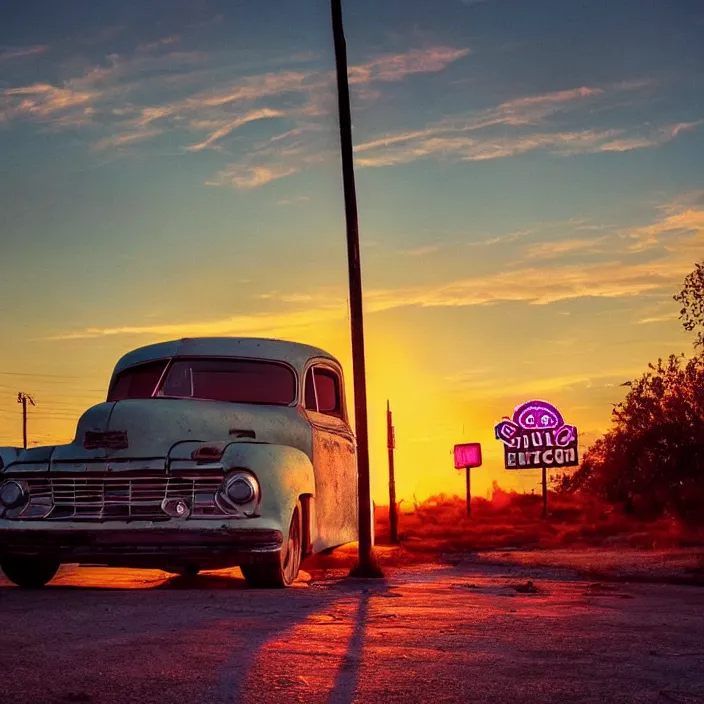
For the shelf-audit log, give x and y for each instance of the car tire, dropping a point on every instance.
(29, 572)
(284, 572)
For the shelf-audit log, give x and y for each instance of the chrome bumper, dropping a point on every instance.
(142, 546)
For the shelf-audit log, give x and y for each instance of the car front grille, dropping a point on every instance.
(120, 497)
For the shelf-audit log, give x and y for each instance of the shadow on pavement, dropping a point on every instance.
(343, 691)
(205, 581)
(106, 622)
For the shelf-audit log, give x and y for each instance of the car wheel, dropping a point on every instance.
(29, 572)
(284, 572)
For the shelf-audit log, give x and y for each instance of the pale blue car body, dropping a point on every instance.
(300, 457)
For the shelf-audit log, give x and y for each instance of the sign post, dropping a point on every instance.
(468, 456)
(545, 492)
(469, 491)
(537, 437)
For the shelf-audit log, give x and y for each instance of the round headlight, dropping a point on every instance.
(239, 494)
(242, 490)
(12, 494)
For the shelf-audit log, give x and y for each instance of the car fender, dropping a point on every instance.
(285, 474)
(8, 455)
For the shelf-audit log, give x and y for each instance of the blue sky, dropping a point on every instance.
(530, 182)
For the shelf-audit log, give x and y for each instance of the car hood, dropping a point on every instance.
(148, 431)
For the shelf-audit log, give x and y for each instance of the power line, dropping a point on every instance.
(73, 389)
(64, 400)
(2, 386)
(55, 378)
(49, 410)
(49, 376)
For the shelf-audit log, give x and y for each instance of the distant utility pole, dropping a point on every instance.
(23, 399)
(393, 506)
(367, 566)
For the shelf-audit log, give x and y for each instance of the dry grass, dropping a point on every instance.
(440, 526)
(511, 520)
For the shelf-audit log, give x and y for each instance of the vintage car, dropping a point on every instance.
(207, 453)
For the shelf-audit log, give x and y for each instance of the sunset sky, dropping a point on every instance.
(531, 195)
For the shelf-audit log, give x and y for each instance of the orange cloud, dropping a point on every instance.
(502, 239)
(43, 100)
(654, 139)
(159, 43)
(226, 128)
(541, 105)
(551, 250)
(520, 111)
(488, 386)
(121, 140)
(457, 137)
(466, 148)
(255, 324)
(681, 221)
(296, 200)
(151, 114)
(665, 318)
(107, 97)
(530, 285)
(676, 130)
(395, 67)
(246, 177)
(537, 286)
(421, 251)
(247, 89)
(455, 143)
(208, 114)
(23, 51)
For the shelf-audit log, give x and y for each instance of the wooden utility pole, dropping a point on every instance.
(366, 566)
(23, 399)
(393, 506)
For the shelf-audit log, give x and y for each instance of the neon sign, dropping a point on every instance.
(536, 437)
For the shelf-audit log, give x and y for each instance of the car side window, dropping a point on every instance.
(311, 402)
(327, 385)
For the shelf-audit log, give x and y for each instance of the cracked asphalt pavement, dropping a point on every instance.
(463, 633)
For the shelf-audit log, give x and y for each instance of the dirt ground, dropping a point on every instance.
(494, 628)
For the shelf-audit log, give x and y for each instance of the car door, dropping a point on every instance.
(334, 457)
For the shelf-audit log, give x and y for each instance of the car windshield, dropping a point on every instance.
(237, 381)
(233, 380)
(137, 382)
